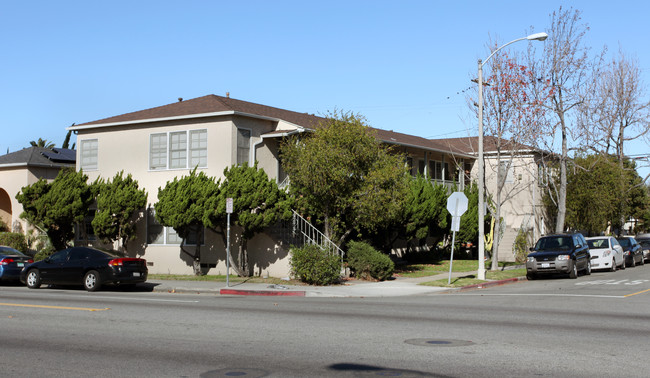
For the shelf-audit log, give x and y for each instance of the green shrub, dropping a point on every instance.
(43, 253)
(14, 240)
(315, 266)
(366, 262)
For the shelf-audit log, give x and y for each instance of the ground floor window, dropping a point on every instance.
(161, 235)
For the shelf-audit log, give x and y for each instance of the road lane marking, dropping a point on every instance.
(547, 295)
(147, 299)
(54, 307)
(638, 292)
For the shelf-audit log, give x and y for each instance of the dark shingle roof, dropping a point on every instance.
(212, 104)
(215, 104)
(469, 145)
(40, 157)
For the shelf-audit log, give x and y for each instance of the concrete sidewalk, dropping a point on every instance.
(400, 286)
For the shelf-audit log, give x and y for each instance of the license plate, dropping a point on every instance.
(20, 264)
(546, 265)
(136, 274)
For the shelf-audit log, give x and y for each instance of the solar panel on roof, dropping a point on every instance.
(62, 155)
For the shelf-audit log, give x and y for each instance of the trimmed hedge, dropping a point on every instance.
(14, 240)
(315, 266)
(366, 262)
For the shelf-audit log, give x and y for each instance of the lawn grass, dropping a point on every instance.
(423, 270)
(406, 270)
(471, 279)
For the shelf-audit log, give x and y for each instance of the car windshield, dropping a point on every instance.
(598, 243)
(645, 243)
(554, 243)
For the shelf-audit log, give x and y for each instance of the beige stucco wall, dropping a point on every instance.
(127, 148)
(12, 180)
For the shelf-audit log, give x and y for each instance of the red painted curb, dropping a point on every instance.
(491, 283)
(268, 293)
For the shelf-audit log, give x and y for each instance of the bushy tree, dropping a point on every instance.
(257, 204)
(592, 194)
(344, 177)
(423, 213)
(468, 231)
(58, 206)
(118, 200)
(186, 205)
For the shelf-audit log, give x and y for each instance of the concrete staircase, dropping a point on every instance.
(506, 245)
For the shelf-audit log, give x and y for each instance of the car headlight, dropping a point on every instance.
(563, 257)
(530, 259)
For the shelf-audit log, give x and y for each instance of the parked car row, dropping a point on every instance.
(85, 266)
(573, 253)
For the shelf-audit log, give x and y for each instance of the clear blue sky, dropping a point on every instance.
(402, 64)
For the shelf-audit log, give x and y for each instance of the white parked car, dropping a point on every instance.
(606, 253)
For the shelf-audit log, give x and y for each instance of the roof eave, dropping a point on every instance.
(174, 118)
(460, 154)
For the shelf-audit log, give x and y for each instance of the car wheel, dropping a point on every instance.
(613, 267)
(588, 268)
(92, 282)
(633, 262)
(530, 277)
(574, 271)
(642, 262)
(33, 279)
(623, 266)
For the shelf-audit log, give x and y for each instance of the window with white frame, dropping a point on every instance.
(439, 170)
(505, 170)
(198, 148)
(160, 235)
(178, 150)
(88, 149)
(243, 146)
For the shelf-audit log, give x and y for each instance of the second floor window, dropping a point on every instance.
(243, 146)
(178, 150)
(88, 149)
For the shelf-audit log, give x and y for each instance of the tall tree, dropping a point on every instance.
(118, 201)
(186, 205)
(511, 117)
(617, 113)
(565, 65)
(58, 206)
(344, 177)
(257, 204)
(66, 141)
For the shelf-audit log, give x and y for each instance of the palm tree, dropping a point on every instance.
(42, 143)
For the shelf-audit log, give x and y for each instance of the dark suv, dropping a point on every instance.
(562, 253)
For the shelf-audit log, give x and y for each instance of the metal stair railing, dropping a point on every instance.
(302, 232)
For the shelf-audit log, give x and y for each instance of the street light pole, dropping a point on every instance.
(481, 162)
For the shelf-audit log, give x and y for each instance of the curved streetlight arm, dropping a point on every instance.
(532, 37)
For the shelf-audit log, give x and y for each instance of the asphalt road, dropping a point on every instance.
(595, 326)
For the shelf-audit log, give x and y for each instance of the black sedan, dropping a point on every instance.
(11, 263)
(83, 265)
(632, 250)
(564, 253)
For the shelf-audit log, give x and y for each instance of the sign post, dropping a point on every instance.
(457, 206)
(228, 211)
